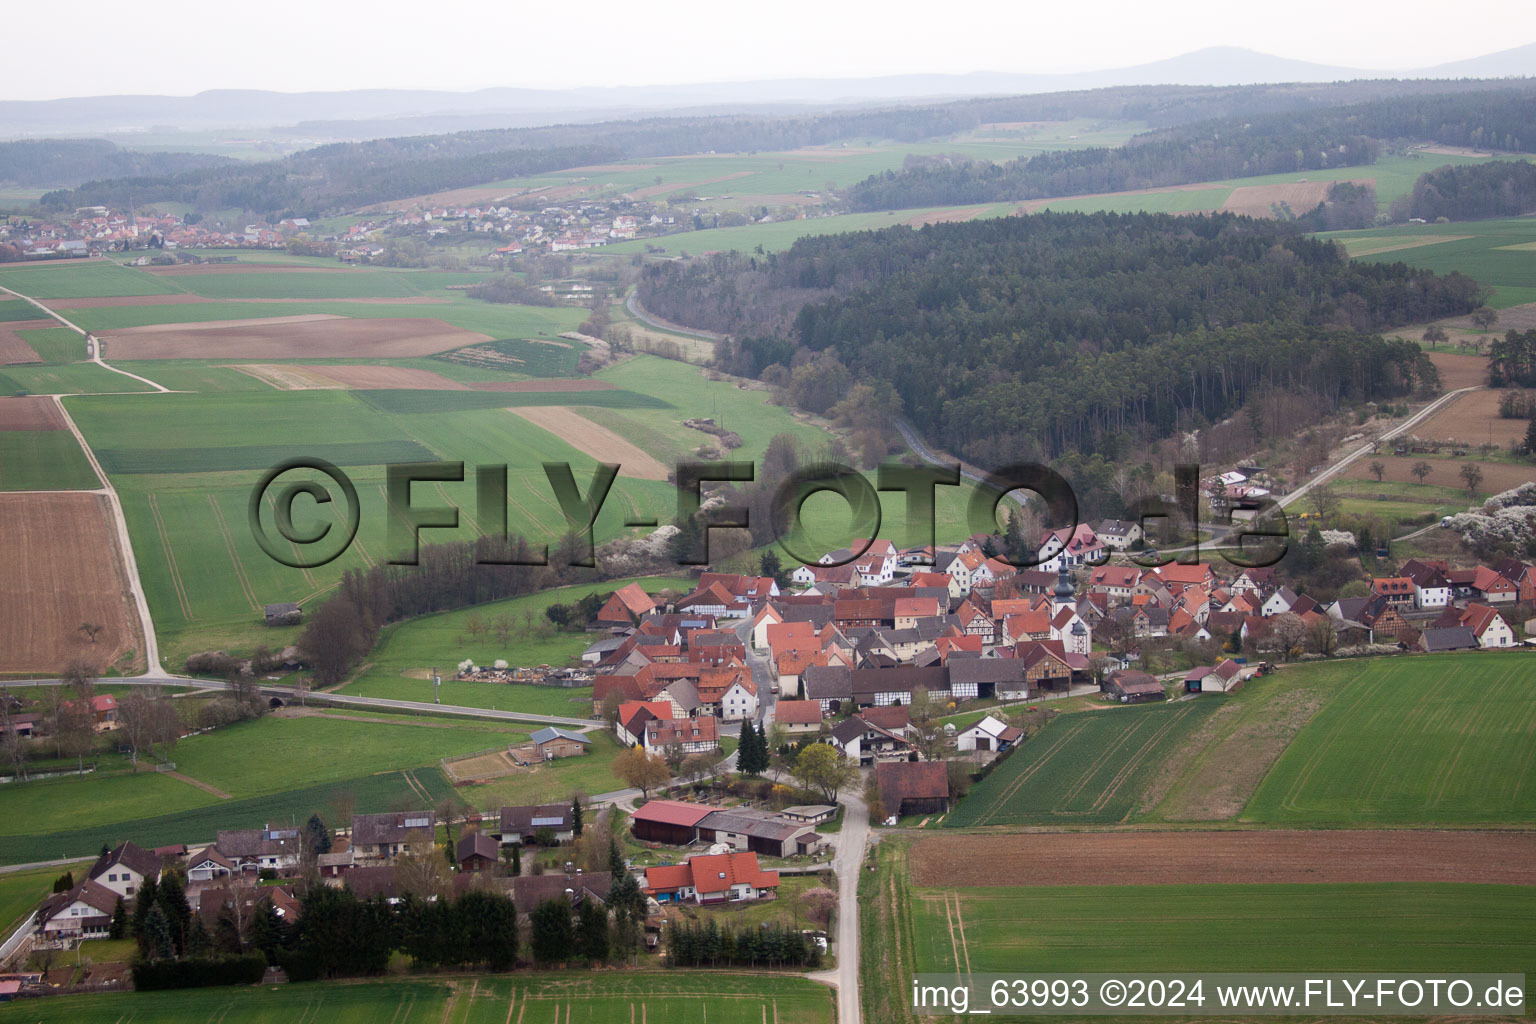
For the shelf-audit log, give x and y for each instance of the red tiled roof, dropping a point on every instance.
(671, 812)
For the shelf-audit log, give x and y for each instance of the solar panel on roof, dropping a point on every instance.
(547, 821)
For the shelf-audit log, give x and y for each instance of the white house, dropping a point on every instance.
(1070, 548)
(987, 734)
(1118, 534)
(124, 869)
(84, 912)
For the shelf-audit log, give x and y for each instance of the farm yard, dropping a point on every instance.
(597, 998)
(60, 551)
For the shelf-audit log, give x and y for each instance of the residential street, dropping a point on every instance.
(851, 842)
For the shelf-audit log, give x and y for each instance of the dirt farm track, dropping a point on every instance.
(61, 557)
(1259, 857)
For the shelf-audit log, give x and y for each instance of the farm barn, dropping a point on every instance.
(285, 613)
(908, 787)
(668, 821)
(551, 743)
(1131, 686)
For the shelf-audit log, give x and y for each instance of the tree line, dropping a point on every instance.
(1499, 188)
(1227, 147)
(342, 176)
(1512, 359)
(1037, 336)
(52, 162)
(346, 175)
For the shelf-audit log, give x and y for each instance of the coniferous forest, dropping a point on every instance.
(1035, 336)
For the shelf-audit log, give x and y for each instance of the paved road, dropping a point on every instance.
(632, 305)
(848, 866)
(1344, 463)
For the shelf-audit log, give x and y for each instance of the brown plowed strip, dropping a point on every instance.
(189, 780)
(30, 413)
(1301, 196)
(221, 325)
(1460, 371)
(369, 378)
(14, 349)
(560, 384)
(313, 337)
(62, 568)
(595, 440)
(182, 299)
(958, 213)
(1261, 857)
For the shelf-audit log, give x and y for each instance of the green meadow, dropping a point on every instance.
(399, 665)
(82, 279)
(1489, 250)
(1442, 740)
(692, 997)
(1360, 927)
(44, 460)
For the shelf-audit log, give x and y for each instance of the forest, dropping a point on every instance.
(1501, 188)
(1229, 147)
(343, 176)
(70, 161)
(1035, 336)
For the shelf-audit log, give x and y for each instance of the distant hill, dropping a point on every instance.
(369, 113)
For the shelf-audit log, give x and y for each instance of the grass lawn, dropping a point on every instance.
(249, 760)
(552, 781)
(22, 891)
(398, 666)
(691, 997)
(43, 460)
(254, 758)
(785, 910)
(109, 951)
(153, 823)
(1411, 741)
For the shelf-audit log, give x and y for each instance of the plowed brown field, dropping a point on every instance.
(593, 439)
(30, 413)
(297, 337)
(1262, 857)
(62, 569)
(13, 348)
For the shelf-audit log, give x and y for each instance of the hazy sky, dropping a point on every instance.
(181, 47)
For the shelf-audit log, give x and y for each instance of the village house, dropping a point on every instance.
(1117, 534)
(864, 743)
(797, 717)
(476, 852)
(519, 826)
(627, 605)
(276, 849)
(1488, 626)
(84, 912)
(124, 869)
(712, 878)
(694, 736)
(209, 865)
(987, 734)
(382, 836)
